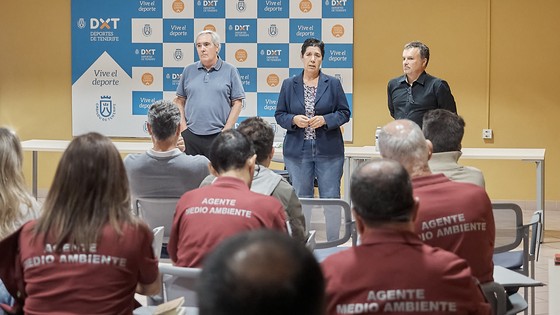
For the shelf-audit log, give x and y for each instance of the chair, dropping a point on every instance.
(157, 212)
(178, 282)
(311, 242)
(324, 247)
(512, 233)
(496, 296)
(158, 240)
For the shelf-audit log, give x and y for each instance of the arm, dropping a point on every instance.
(445, 98)
(236, 107)
(390, 100)
(283, 116)
(180, 101)
(341, 112)
(296, 218)
(149, 289)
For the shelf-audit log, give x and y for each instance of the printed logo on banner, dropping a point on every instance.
(241, 30)
(273, 30)
(337, 30)
(266, 104)
(178, 30)
(102, 29)
(273, 9)
(273, 55)
(145, 126)
(141, 101)
(338, 56)
(241, 55)
(171, 77)
(241, 6)
(178, 6)
(149, 8)
(338, 8)
(248, 79)
(105, 109)
(210, 9)
(81, 23)
(272, 80)
(305, 6)
(178, 54)
(147, 79)
(209, 27)
(147, 55)
(147, 30)
(339, 77)
(302, 29)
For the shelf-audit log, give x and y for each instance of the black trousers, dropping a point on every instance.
(197, 144)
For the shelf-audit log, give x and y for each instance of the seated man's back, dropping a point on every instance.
(457, 217)
(164, 174)
(392, 270)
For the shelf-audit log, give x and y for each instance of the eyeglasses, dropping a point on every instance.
(410, 99)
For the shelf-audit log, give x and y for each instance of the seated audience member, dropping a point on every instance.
(86, 254)
(164, 171)
(267, 182)
(261, 272)
(445, 130)
(454, 216)
(17, 206)
(208, 215)
(392, 270)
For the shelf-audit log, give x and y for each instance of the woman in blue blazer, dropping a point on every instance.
(311, 107)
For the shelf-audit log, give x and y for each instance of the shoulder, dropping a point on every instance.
(198, 160)
(133, 158)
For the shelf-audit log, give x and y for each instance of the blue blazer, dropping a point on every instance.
(330, 102)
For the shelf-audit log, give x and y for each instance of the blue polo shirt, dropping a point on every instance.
(209, 94)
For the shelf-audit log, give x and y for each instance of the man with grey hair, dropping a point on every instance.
(445, 130)
(452, 215)
(209, 95)
(392, 270)
(164, 171)
(416, 92)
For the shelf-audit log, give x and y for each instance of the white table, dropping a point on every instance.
(353, 155)
(553, 287)
(149, 310)
(510, 278)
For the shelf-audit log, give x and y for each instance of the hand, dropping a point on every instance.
(317, 122)
(181, 144)
(301, 121)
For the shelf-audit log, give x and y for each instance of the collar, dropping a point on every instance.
(384, 236)
(215, 67)
(421, 79)
(230, 182)
(164, 154)
(428, 180)
(450, 157)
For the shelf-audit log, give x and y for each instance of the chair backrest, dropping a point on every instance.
(495, 295)
(330, 216)
(158, 240)
(508, 218)
(311, 242)
(157, 212)
(536, 234)
(179, 282)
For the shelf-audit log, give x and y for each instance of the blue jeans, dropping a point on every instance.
(5, 297)
(328, 172)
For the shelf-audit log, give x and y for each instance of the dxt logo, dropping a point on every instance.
(338, 3)
(210, 3)
(273, 52)
(103, 23)
(148, 52)
(242, 28)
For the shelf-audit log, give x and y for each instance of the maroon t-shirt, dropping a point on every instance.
(457, 217)
(393, 272)
(207, 215)
(100, 279)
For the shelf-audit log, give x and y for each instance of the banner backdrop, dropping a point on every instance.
(127, 54)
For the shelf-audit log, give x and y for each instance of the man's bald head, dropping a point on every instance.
(261, 272)
(403, 141)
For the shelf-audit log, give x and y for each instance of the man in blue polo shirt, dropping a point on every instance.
(209, 95)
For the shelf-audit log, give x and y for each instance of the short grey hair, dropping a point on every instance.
(404, 142)
(164, 117)
(215, 37)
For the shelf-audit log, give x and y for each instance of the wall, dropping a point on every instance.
(495, 54)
